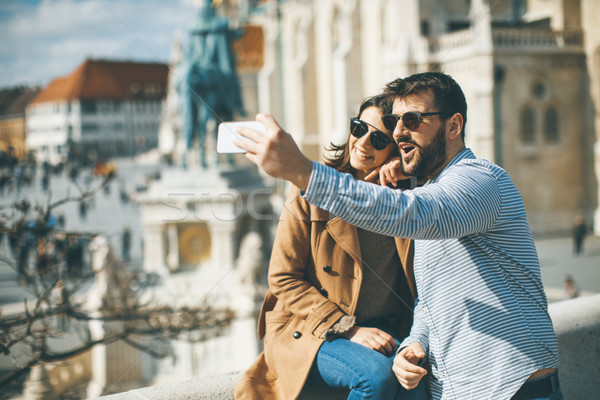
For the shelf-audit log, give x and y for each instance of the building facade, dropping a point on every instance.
(12, 119)
(530, 71)
(109, 107)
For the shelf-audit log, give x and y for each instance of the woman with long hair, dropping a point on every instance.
(340, 298)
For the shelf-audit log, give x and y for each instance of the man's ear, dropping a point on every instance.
(454, 126)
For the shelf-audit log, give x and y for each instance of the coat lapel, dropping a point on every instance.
(346, 236)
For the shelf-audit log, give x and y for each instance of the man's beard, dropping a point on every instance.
(429, 158)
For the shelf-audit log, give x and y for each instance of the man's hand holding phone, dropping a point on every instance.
(275, 151)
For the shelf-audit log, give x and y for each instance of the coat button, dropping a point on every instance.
(323, 292)
(327, 268)
(297, 335)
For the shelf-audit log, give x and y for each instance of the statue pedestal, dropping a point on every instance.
(194, 218)
(226, 177)
(206, 234)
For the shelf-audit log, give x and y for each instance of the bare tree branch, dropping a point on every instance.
(58, 284)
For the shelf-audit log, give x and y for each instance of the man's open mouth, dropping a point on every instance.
(406, 149)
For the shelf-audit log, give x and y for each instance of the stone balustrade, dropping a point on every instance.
(516, 38)
(451, 41)
(576, 322)
(508, 39)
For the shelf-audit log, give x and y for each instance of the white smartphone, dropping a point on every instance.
(226, 135)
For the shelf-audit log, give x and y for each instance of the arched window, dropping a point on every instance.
(551, 132)
(528, 126)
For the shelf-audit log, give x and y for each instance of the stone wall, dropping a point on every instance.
(576, 322)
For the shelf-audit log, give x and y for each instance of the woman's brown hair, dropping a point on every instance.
(340, 160)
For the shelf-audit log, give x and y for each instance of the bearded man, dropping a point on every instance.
(481, 319)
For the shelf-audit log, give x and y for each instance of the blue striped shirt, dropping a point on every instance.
(482, 315)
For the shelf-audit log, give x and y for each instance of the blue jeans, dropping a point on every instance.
(367, 373)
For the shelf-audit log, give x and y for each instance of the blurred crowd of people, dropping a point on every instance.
(40, 246)
(17, 173)
(37, 237)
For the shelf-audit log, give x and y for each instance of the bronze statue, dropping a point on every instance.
(209, 87)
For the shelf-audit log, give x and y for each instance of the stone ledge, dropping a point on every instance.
(577, 325)
(576, 322)
(219, 387)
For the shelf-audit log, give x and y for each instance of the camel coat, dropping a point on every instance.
(315, 276)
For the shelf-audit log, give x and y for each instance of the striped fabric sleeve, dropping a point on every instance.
(468, 201)
(419, 332)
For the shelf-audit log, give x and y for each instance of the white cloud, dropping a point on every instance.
(52, 37)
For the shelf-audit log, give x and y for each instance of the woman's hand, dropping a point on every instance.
(372, 338)
(390, 172)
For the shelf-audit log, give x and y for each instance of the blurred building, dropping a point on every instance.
(207, 238)
(110, 107)
(530, 71)
(12, 119)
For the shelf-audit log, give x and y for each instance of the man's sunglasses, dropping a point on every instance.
(379, 140)
(411, 120)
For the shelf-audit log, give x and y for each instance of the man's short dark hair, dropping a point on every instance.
(448, 97)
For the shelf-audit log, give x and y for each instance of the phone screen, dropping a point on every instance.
(226, 134)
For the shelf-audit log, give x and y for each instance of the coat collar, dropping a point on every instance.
(346, 236)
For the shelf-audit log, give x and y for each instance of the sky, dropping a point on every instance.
(41, 40)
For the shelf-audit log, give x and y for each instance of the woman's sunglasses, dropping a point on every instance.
(379, 140)
(411, 120)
